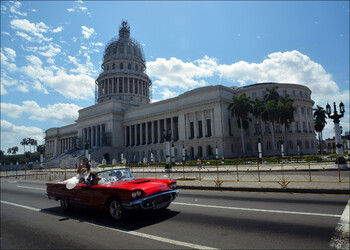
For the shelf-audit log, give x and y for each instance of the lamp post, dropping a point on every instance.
(183, 152)
(167, 137)
(335, 116)
(282, 147)
(347, 136)
(216, 151)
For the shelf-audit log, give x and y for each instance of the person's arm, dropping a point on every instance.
(79, 168)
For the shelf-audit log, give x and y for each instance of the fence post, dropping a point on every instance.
(183, 170)
(338, 168)
(308, 160)
(25, 173)
(258, 171)
(16, 173)
(237, 170)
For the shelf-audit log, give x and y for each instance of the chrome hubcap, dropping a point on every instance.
(115, 209)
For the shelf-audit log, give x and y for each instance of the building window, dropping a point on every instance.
(284, 92)
(253, 95)
(208, 128)
(191, 130)
(302, 111)
(200, 129)
(268, 145)
(136, 67)
(113, 66)
(129, 66)
(229, 127)
(107, 66)
(121, 66)
(293, 92)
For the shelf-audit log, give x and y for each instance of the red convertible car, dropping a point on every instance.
(116, 191)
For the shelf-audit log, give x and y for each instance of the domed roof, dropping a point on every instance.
(123, 47)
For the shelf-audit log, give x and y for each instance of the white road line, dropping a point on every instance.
(341, 237)
(143, 235)
(44, 189)
(256, 210)
(19, 205)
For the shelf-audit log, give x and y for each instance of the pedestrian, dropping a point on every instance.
(199, 163)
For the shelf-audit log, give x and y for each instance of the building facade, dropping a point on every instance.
(123, 122)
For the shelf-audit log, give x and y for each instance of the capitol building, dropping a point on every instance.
(124, 124)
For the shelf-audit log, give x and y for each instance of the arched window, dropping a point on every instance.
(121, 66)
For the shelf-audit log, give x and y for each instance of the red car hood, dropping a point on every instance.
(150, 187)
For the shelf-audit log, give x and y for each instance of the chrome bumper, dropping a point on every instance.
(169, 195)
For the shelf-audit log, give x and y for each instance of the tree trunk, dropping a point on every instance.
(242, 135)
(320, 141)
(286, 139)
(273, 139)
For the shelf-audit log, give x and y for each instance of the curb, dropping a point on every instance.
(272, 190)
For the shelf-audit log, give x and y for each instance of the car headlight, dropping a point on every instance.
(136, 194)
(173, 185)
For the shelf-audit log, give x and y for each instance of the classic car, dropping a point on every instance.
(115, 190)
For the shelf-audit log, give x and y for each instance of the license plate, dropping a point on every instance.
(160, 205)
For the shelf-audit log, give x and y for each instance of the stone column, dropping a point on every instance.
(152, 132)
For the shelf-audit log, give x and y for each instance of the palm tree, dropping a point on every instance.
(240, 108)
(271, 115)
(24, 142)
(257, 110)
(12, 150)
(286, 115)
(30, 143)
(272, 94)
(320, 123)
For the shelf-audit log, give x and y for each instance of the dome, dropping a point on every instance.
(123, 47)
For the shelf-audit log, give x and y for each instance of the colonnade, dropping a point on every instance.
(150, 132)
(93, 136)
(123, 85)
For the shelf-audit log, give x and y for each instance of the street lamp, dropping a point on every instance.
(183, 152)
(216, 151)
(282, 147)
(335, 116)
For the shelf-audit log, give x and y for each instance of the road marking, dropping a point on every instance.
(121, 230)
(44, 189)
(341, 237)
(256, 210)
(19, 205)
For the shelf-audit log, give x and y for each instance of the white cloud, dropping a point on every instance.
(87, 32)
(35, 29)
(15, 8)
(73, 86)
(176, 73)
(58, 113)
(166, 93)
(50, 50)
(50, 60)
(11, 54)
(78, 8)
(12, 135)
(58, 29)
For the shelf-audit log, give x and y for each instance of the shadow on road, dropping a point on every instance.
(134, 221)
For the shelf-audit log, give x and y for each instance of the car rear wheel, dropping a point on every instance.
(116, 210)
(65, 204)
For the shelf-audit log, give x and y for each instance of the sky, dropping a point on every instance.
(51, 53)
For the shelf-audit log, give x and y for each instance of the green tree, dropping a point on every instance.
(257, 110)
(240, 107)
(24, 142)
(319, 123)
(271, 115)
(12, 150)
(286, 115)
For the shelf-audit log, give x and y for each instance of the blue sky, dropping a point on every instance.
(51, 52)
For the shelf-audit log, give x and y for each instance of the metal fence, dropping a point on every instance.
(281, 170)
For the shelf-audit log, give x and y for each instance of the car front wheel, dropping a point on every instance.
(116, 210)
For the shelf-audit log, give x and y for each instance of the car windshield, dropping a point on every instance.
(114, 175)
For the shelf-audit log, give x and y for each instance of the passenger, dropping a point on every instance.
(84, 170)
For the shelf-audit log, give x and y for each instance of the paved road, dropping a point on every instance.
(197, 219)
